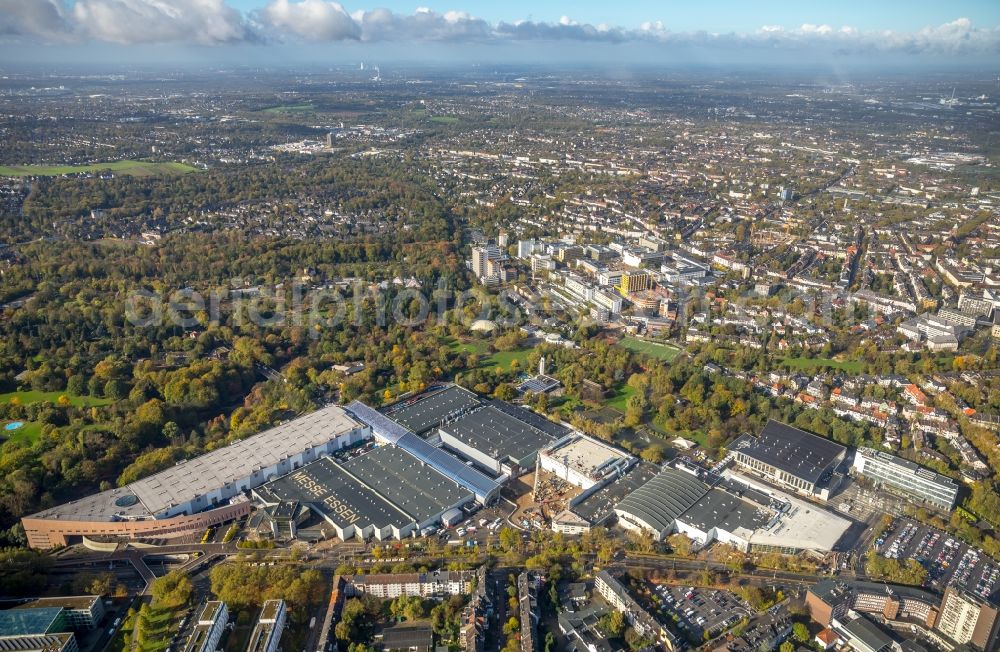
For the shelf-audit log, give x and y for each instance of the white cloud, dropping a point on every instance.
(216, 22)
(313, 20)
(423, 25)
(40, 19)
(206, 22)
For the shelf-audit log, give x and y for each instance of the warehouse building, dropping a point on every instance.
(656, 505)
(791, 458)
(428, 410)
(485, 488)
(911, 480)
(735, 511)
(197, 493)
(533, 419)
(596, 506)
(584, 461)
(792, 526)
(495, 440)
(385, 493)
(387, 431)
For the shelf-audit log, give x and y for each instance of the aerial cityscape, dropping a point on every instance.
(499, 327)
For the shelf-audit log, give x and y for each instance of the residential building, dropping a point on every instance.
(527, 247)
(527, 585)
(967, 618)
(433, 584)
(484, 260)
(208, 630)
(267, 633)
(976, 306)
(614, 592)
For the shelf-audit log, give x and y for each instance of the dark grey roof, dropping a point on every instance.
(718, 508)
(498, 434)
(417, 488)
(533, 419)
(661, 500)
(428, 410)
(404, 637)
(837, 591)
(35, 642)
(386, 486)
(600, 504)
(794, 451)
(869, 633)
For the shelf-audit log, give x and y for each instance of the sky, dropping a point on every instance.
(775, 32)
(709, 15)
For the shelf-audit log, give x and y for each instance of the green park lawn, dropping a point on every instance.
(473, 346)
(27, 433)
(503, 359)
(813, 364)
(137, 168)
(499, 360)
(620, 398)
(35, 396)
(665, 352)
(444, 119)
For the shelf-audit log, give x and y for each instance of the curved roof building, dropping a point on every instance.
(657, 504)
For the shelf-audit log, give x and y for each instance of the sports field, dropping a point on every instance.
(136, 168)
(664, 352)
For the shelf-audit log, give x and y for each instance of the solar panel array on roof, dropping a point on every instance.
(538, 385)
(383, 427)
(794, 451)
(35, 643)
(475, 481)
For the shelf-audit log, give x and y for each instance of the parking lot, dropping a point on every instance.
(947, 559)
(699, 610)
